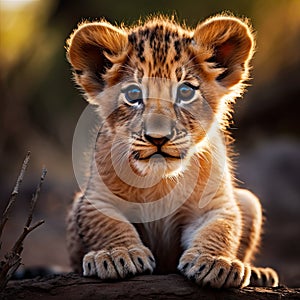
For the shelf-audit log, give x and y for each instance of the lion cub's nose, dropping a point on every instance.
(158, 129)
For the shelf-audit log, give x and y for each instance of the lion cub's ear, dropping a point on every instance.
(91, 50)
(231, 44)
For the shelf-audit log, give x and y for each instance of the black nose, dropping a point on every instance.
(157, 141)
(158, 129)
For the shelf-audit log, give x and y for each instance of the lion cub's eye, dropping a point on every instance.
(133, 95)
(185, 92)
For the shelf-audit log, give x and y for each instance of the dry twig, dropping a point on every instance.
(12, 259)
(14, 194)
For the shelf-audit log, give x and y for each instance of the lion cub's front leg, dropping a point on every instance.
(111, 247)
(212, 242)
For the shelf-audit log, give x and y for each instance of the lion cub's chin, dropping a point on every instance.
(159, 166)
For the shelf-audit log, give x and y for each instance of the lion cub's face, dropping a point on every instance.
(158, 122)
(160, 87)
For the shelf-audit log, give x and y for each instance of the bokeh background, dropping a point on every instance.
(40, 107)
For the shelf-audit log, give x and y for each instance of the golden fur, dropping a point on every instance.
(164, 92)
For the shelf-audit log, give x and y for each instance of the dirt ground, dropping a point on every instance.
(71, 286)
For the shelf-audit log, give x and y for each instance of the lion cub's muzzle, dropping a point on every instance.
(158, 129)
(159, 135)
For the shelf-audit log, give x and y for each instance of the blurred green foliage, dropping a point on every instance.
(40, 105)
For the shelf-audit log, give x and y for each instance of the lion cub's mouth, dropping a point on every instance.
(158, 161)
(137, 155)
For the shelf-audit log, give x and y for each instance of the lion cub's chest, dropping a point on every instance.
(163, 237)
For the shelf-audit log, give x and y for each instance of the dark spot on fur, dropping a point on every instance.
(185, 266)
(105, 265)
(132, 38)
(254, 275)
(136, 155)
(79, 72)
(89, 266)
(212, 59)
(167, 42)
(223, 75)
(186, 40)
(235, 276)
(202, 268)
(140, 47)
(221, 272)
(167, 36)
(146, 33)
(178, 73)
(151, 258)
(152, 37)
(141, 262)
(122, 262)
(174, 34)
(177, 47)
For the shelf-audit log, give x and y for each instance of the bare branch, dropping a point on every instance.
(12, 259)
(35, 197)
(37, 224)
(14, 193)
(8, 267)
(18, 246)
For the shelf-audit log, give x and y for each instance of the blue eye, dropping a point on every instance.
(133, 95)
(185, 92)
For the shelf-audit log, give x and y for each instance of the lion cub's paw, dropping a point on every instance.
(119, 262)
(263, 277)
(216, 272)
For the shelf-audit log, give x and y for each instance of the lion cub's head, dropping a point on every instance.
(160, 86)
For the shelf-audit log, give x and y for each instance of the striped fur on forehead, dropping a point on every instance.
(160, 46)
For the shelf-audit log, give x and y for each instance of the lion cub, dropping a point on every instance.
(161, 194)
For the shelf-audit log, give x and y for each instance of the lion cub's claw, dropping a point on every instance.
(263, 277)
(119, 262)
(216, 272)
